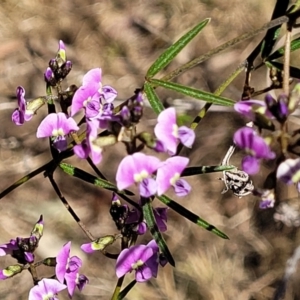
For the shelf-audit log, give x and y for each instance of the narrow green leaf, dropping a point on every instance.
(153, 98)
(126, 290)
(272, 34)
(151, 223)
(76, 172)
(190, 171)
(191, 216)
(168, 55)
(194, 93)
(295, 45)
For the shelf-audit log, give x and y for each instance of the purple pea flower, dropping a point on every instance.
(87, 147)
(250, 108)
(267, 198)
(8, 248)
(89, 94)
(138, 168)
(67, 268)
(255, 146)
(20, 115)
(168, 174)
(134, 259)
(289, 171)
(167, 131)
(57, 126)
(46, 289)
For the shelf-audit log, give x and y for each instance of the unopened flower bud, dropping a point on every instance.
(10, 271)
(50, 261)
(100, 243)
(65, 69)
(49, 77)
(61, 57)
(38, 228)
(151, 142)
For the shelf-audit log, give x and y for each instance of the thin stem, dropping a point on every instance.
(224, 46)
(69, 208)
(25, 179)
(118, 288)
(218, 92)
(286, 65)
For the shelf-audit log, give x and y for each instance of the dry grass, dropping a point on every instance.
(124, 38)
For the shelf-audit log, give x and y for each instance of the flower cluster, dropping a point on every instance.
(269, 114)
(103, 125)
(66, 268)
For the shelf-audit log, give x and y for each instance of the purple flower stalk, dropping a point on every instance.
(57, 126)
(255, 146)
(167, 131)
(20, 115)
(168, 174)
(138, 168)
(46, 289)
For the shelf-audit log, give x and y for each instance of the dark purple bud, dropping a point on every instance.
(65, 69)
(49, 77)
(53, 65)
(283, 111)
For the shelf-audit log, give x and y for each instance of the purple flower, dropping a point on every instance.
(20, 115)
(153, 261)
(134, 259)
(81, 281)
(255, 146)
(8, 248)
(250, 108)
(46, 289)
(89, 95)
(168, 174)
(289, 171)
(67, 267)
(167, 131)
(57, 126)
(88, 147)
(138, 168)
(267, 198)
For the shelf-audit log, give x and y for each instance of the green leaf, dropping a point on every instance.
(191, 216)
(76, 172)
(295, 45)
(190, 171)
(151, 224)
(126, 290)
(273, 33)
(153, 98)
(168, 55)
(194, 93)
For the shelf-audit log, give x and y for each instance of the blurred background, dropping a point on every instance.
(124, 38)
